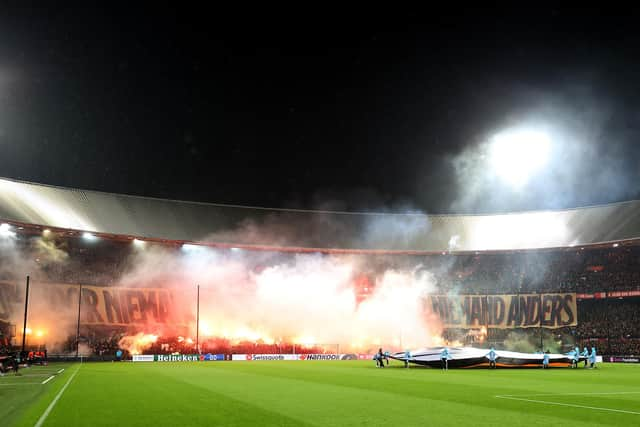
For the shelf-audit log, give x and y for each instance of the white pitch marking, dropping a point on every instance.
(36, 375)
(61, 371)
(47, 380)
(570, 394)
(44, 416)
(595, 408)
(10, 384)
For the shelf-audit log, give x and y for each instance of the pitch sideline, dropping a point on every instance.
(47, 411)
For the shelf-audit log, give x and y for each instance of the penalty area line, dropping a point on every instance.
(47, 411)
(47, 380)
(595, 408)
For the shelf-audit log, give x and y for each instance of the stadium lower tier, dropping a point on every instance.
(469, 357)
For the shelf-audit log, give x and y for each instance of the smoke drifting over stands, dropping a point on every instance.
(278, 299)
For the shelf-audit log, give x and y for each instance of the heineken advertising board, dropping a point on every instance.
(177, 357)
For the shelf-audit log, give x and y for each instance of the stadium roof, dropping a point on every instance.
(171, 220)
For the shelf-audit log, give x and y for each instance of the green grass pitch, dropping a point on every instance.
(317, 393)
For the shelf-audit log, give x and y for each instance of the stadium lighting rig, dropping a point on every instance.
(514, 155)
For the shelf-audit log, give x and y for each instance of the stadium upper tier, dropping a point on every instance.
(118, 214)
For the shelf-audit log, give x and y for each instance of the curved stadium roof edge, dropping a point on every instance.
(174, 220)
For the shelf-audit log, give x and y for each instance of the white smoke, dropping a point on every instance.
(592, 158)
(300, 297)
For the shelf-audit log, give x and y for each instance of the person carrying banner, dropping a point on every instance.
(545, 360)
(574, 356)
(444, 358)
(585, 354)
(380, 356)
(407, 356)
(492, 358)
(592, 357)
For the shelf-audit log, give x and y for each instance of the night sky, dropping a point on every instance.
(347, 114)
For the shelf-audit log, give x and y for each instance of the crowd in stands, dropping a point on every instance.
(582, 270)
(168, 345)
(622, 347)
(99, 343)
(5, 347)
(575, 270)
(579, 270)
(609, 318)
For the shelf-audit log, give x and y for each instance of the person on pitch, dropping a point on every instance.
(407, 356)
(492, 358)
(578, 354)
(574, 358)
(545, 360)
(592, 357)
(585, 354)
(444, 358)
(380, 358)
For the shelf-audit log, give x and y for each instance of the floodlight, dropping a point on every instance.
(5, 230)
(516, 154)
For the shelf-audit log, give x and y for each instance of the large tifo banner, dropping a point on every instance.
(505, 311)
(99, 305)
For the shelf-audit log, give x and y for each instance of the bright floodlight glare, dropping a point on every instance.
(187, 247)
(88, 236)
(5, 230)
(516, 154)
(138, 242)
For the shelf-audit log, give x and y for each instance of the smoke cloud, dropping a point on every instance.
(304, 298)
(593, 157)
(245, 295)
